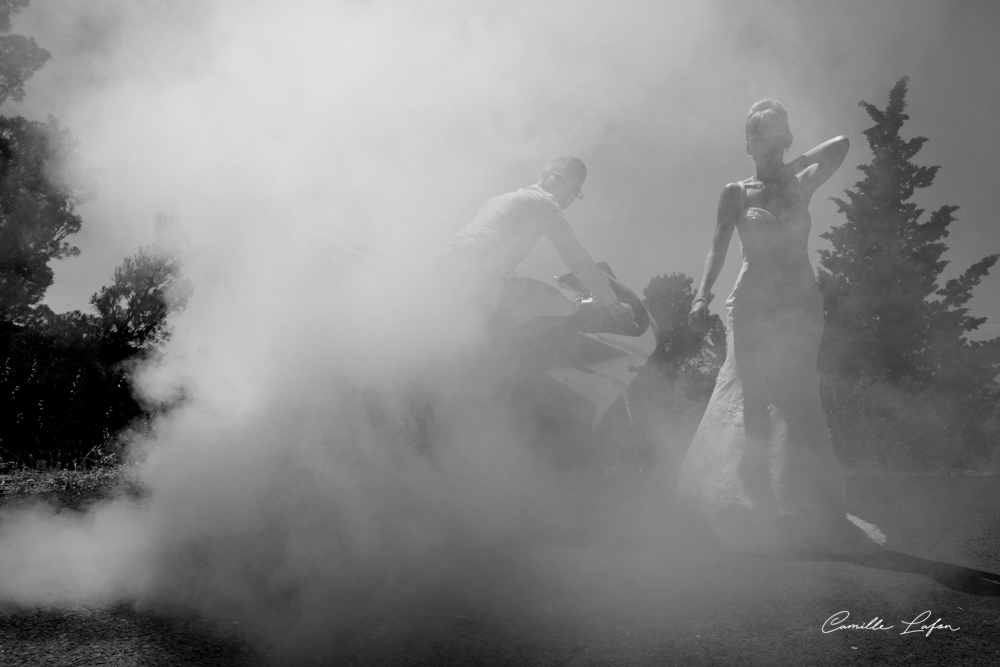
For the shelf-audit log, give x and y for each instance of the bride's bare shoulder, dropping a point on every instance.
(734, 190)
(731, 200)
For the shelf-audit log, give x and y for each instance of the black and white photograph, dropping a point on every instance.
(494, 332)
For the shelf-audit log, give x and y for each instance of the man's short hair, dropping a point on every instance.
(570, 167)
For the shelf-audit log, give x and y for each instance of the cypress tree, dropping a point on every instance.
(887, 315)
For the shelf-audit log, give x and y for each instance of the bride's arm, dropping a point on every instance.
(817, 165)
(730, 207)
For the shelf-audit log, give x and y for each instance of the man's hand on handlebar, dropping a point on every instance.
(622, 312)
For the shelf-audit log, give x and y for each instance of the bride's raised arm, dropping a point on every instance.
(817, 165)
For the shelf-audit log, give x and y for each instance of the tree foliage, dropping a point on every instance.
(60, 399)
(37, 201)
(145, 290)
(37, 209)
(685, 355)
(887, 316)
(20, 56)
(65, 378)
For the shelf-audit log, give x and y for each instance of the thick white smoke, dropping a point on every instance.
(342, 445)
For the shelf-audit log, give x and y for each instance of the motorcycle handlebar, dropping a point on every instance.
(639, 313)
(624, 294)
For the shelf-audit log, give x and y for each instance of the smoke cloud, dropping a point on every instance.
(343, 446)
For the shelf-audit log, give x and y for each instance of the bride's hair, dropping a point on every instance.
(769, 115)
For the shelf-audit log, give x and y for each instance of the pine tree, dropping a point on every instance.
(146, 289)
(887, 316)
(39, 193)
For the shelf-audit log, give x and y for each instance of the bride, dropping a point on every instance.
(761, 469)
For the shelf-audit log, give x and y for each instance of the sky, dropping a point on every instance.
(651, 95)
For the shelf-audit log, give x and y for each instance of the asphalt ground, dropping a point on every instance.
(653, 601)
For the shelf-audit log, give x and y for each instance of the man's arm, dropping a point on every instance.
(578, 260)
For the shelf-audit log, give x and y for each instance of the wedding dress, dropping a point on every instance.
(761, 470)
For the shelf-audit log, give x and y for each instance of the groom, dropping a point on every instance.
(507, 227)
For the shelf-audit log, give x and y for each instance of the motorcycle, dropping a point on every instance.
(573, 366)
(576, 364)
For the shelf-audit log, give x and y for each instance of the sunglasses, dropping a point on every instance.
(579, 193)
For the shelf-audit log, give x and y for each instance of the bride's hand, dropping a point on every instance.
(788, 171)
(789, 177)
(698, 318)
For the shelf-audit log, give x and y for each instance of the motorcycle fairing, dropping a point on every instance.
(598, 366)
(528, 299)
(604, 382)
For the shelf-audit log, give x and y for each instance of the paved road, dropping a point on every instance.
(662, 603)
